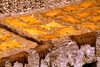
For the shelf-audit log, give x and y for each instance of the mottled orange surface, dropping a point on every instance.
(82, 14)
(53, 13)
(91, 26)
(81, 17)
(71, 8)
(70, 19)
(88, 4)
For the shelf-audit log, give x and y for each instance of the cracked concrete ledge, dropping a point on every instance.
(65, 56)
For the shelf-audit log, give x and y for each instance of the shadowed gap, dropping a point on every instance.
(90, 65)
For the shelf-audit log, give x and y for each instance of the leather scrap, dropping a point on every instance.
(21, 57)
(2, 64)
(43, 49)
(88, 38)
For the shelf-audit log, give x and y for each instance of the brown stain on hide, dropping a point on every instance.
(88, 38)
(43, 49)
(2, 64)
(21, 57)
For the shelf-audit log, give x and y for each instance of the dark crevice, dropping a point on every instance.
(90, 65)
(14, 31)
(70, 65)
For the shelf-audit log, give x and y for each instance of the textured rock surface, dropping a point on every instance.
(85, 55)
(10, 7)
(70, 55)
(98, 50)
(33, 58)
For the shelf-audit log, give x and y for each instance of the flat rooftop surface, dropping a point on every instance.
(53, 24)
(71, 19)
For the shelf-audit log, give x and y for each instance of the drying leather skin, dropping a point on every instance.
(43, 49)
(21, 57)
(2, 64)
(88, 38)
